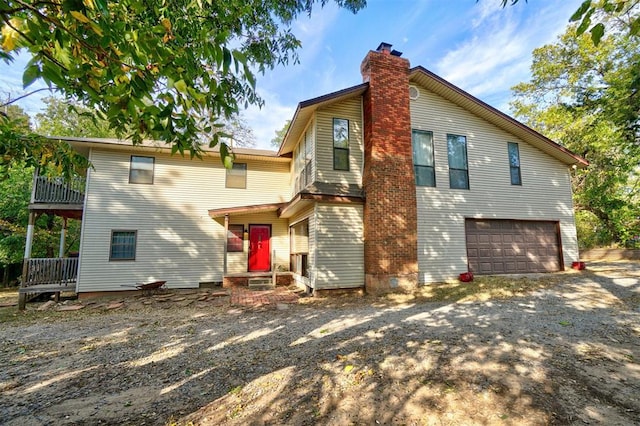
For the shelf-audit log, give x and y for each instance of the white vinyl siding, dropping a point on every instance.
(340, 246)
(351, 110)
(545, 193)
(177, 241)
(237, 262)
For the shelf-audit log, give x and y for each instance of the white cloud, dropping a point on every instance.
(266, 121)
(485, 9)
(498, 53)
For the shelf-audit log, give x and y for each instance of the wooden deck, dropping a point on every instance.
(45, 274)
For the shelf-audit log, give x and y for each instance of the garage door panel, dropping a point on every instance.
(508, 246)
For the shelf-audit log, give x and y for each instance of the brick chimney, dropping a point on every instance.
(390, 211)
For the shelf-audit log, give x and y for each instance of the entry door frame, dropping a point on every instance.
(251, 227)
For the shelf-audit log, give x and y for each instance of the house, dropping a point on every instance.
(399, 181)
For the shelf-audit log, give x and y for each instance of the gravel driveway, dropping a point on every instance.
(568, 354)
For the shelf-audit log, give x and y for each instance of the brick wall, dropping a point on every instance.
(390, 212)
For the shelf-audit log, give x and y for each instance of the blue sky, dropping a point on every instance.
(477, 46)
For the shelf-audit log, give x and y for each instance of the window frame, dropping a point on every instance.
(111, 245)
(417, 166)
(134, 180)
(235, 238)
(337, 149)
(466, 158)
(228, 173)
(514, 167)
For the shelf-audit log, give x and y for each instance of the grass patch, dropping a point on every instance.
(480, 289)
(9, 295)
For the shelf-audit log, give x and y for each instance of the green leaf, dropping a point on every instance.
(586, 21)
(596, 33)
(226, 155)
(227, 59)
(580, 11)
(31, 73)
(634, 29)
(180, 86)
(80, 16)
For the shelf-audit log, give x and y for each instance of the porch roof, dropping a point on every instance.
(327, 192)
(256, 208)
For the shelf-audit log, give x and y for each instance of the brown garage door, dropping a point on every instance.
(512, 246)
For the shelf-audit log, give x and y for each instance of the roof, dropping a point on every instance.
(82, 145)
(306, 109)
(334, 189)
(436, 84)
(442, 87)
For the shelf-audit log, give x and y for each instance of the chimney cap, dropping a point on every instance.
(394, 52)
(384, 46)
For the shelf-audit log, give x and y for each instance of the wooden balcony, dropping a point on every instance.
(45, 275)
(58, 196)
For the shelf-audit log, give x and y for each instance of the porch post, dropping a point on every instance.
(29, 242)
(226, 238)
(63, 233)
(22, 297)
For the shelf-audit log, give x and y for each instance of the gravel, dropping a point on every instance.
(569, 354)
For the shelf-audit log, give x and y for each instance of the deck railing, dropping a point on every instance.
(59, 271)
(57, 190)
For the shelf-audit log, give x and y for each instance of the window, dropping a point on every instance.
(302, 163)
(299, 234)
(237, 176)
(423, 164)
(514, 164)
(235, 240)
(123, 245)
(458, 165)
(340, 144)
(141, 169)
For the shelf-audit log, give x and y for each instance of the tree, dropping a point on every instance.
(622, 13)
(238, 132)
(167, 70)
(280, 134)
(586, 97)
(60, 118)
(17, 115)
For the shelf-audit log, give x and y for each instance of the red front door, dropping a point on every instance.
(259, 248)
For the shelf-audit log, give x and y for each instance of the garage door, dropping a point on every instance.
(512, 246)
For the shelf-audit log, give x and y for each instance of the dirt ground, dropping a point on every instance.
(555, 349)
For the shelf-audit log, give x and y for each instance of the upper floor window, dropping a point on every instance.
(514, 164)
(141, 169)
(458, 164)
(236, 176)
(123, 245)
(423, 163)
(340, 144)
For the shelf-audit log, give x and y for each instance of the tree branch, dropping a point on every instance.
(23, 96)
